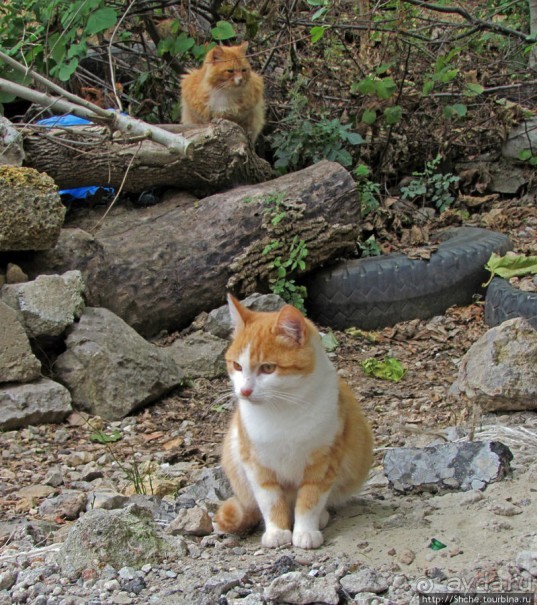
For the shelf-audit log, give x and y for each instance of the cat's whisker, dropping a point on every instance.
(289, 398)
(226, 396)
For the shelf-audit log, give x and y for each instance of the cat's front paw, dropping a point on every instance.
(307, 539)
(276, 537)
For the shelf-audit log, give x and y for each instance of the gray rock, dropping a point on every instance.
(370, 598)
(120, 538)
(209, 484)
(67, 505)
(193, 521)
(8, 579)
(110, 369)
(223, 582)
(200, 355)
(11, 144)
(499, 371)
(31, 209)
(521, 138)
(253, 598)
(49, 304)
(364, 580)
(17, 361)
(450, 466)
(219, 321)
(507, 179)
(15, 275)
(527, 560)
(41, 402)
(505, 509)
(107, 498)
(300, 589)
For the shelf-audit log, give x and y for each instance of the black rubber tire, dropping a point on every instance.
(504, 301)
(381, 291)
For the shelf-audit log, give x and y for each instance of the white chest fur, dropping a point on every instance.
(222, 101)
(284, 434)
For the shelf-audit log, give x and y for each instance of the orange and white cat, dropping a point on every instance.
(224, 87)
(298, 440)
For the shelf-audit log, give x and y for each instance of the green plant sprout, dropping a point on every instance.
(431, 186)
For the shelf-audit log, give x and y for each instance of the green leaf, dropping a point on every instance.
(385, 88)
(472, 89)
(364, 87)
(428, 86)
(102, 19)
(458, 110)
(362, 170)
(67, 70)
(343, 157)
(369, 116)
(317, 33)
(393, 114)
(319, 13)
(223, 31)
(387, 369)
(329, 341)
(354, 138)
(524, 155)
(511, 265)
(183, 44)
(103, 438)
(56, 44)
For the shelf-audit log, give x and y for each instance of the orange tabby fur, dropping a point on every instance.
(224, 87)
(298, 440)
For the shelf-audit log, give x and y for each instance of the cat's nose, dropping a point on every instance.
(246, 392)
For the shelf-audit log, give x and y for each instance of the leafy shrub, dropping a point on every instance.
(302, 141)
(431, 186)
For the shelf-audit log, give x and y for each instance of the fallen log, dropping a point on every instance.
(219, 156)
(159, 267)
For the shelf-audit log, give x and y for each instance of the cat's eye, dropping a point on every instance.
(230, 71)
(237, 366)
(267, 368)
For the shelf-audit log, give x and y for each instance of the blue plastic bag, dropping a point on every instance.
(78, 193)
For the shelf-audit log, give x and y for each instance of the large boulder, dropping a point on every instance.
(120, 538)
(447, 466)
(49, 304)
(40, 402)
(499, 371)
(31, 210)
(17, 361)
(110, 369)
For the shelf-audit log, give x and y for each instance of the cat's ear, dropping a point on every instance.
(216, 53)
(243, 47)
(291, 324)
(239, 314)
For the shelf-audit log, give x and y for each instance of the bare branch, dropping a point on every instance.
(479, 23)
(70, 103)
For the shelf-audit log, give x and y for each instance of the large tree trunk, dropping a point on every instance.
(159, 267)
(219, 157)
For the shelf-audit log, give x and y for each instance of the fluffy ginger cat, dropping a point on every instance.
(298, 440)
(224, 87)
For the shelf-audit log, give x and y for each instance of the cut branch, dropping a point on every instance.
(69, 103)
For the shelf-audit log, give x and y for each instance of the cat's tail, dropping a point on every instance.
(234, 518)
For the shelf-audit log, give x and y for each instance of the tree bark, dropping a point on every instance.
(533, 32)
(220, 156)
(159, 267)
